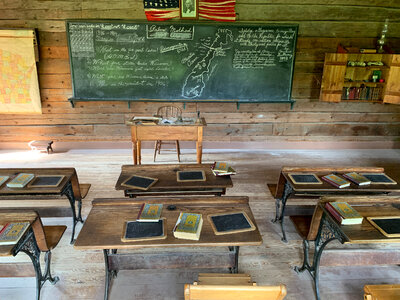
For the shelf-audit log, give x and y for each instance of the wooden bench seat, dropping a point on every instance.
(382, 292)
(216, 286)
(47, 238)
(53, 235)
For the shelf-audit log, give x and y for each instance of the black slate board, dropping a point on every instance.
(184, 62)
(305, 179)
(378, 178)
(190, 176)
(231, 223)
(135, 231)
(389, 226)
(46, 181)
(139, 182)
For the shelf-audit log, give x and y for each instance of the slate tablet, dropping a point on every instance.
(46, 181)
(232, 222)
(304, 178)
(379, 178)
(388, 225)
(139, 182)
(141, 231)
(187, 176)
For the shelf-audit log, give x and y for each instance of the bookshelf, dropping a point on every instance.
(360, 77)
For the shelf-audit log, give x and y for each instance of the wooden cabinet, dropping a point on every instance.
(359, 77)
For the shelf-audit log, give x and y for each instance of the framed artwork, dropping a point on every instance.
(189, 9)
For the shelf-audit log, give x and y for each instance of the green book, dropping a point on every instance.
(20, 181)
(150, 212)
(345, 210)
(188, 226)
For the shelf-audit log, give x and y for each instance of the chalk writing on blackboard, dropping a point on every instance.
(181, 62)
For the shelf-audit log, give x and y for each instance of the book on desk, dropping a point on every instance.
(222, 169)
(357, 178)
(336, 181)
(344, 213)
(12, 232)
(20, 181)
(188, 226)
(150, 212)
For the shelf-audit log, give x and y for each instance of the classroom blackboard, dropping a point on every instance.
(183, 62)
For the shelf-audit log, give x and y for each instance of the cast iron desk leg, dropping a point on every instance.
(326, 234)
(68, 191)
(29, 246)
(288, 190)
(109, 273)
(235, 268)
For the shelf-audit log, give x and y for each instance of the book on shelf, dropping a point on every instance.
(344, 213)
(20, 181)
(222, 169)
(12, 232)
(150, 212)
(188, 226)
(357, 178)
(336, 181)
(3, 179)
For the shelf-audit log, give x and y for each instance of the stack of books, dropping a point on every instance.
(149, 212)
(344, 213)
(222, 169)
(11, 233)
(188, 226)
(336, 181)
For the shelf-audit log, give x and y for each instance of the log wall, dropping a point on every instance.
(322, 26)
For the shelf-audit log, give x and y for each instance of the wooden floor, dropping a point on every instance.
(82, 272)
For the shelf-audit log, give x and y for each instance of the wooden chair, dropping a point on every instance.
(382, 292)
(215, 286)
(167, 112)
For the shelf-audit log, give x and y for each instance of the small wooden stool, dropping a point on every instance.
(41, 146)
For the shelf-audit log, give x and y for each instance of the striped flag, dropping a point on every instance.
(217, 10)
(161, 10)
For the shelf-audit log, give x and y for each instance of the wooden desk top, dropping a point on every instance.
(67, 172)
(10, 215)
(365, 233)
(103, 227)
(326, 187)
(166, 175)
(202, 123)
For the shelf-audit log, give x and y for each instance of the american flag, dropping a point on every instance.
(217, 10)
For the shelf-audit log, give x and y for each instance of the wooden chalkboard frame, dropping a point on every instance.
(251, 228)
(160, 237)
(379, 182)
(289, 100)
(178, 173)
(292, 178)
(126, 184)
(381, 230)
(32, 184)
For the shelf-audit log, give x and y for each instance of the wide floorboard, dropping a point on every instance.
(82, 272)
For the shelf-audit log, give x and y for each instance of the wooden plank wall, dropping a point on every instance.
(322, 26)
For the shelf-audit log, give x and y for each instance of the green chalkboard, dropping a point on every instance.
(142, 61)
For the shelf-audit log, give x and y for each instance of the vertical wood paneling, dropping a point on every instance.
(322, 26)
